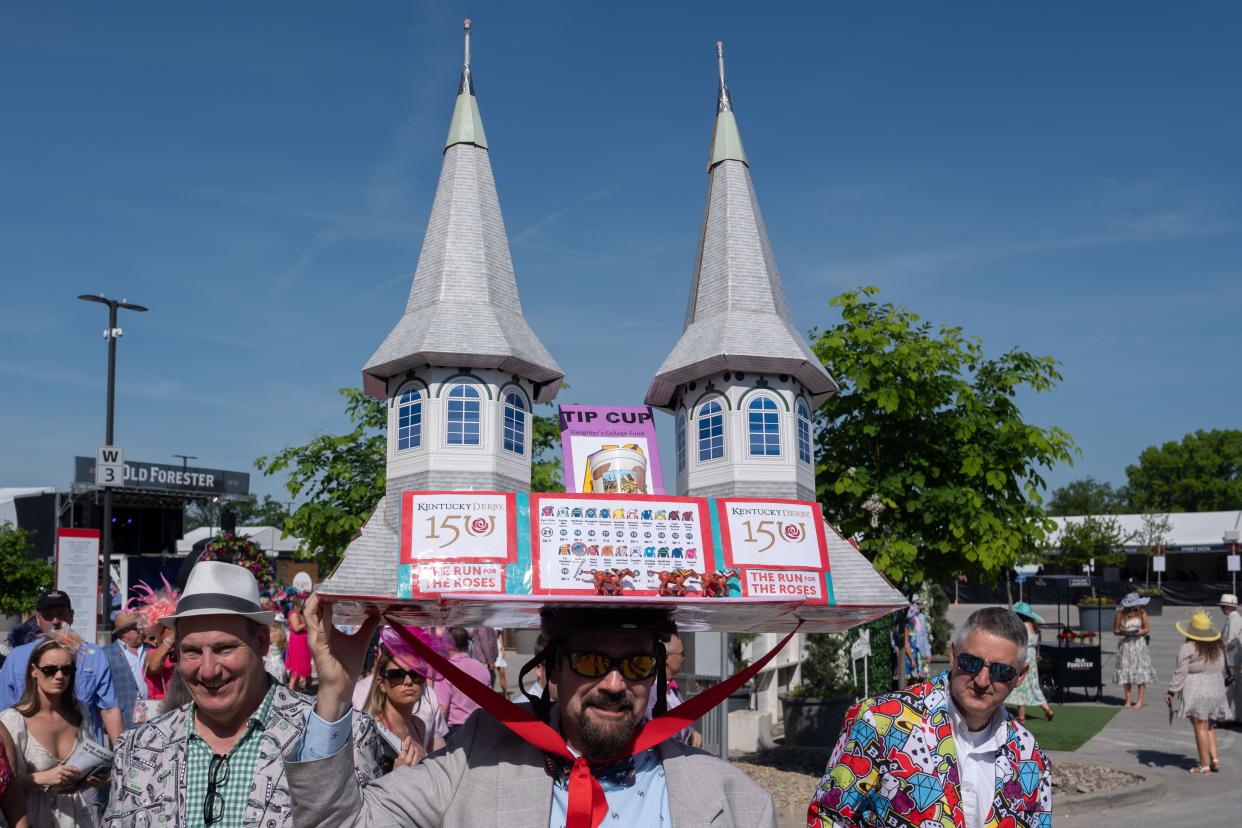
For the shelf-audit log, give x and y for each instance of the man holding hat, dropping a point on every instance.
(126, 655)
(601, 666)
(93, 684)
(217, 760)
(1232, 639)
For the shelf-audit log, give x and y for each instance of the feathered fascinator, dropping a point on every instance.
(405, 655)
(154, 604)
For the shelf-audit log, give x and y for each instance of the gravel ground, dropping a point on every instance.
(792, 774)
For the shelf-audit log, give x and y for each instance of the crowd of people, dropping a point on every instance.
(196, 696)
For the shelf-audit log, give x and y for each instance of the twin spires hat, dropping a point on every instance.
(217, 588)
(1199, 629)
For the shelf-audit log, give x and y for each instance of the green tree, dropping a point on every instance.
(1088, 497)
(24, 577)
(1151, 538)
(1202, 473)
(546, 474)
(340, 477)
(1093, 538)
(924, 451)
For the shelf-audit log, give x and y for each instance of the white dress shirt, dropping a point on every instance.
(136, 667)
(976, 763)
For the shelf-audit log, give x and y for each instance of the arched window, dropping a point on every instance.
(515, 423)
(463, 416)
(763, 425)
(410, 420)
(804, 432)
(681, 441)
(711, 431)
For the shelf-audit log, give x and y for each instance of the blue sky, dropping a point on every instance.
(1060, 177)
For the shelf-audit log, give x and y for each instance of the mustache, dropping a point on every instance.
(614, 703)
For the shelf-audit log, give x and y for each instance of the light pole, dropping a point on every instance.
(185, 460)
(111, 334)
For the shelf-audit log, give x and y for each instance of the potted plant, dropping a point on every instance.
(1096, 613)
(815, 709)
(1155, 600)
(814, 714)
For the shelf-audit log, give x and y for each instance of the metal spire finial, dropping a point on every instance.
(723, 103)
(467, 82)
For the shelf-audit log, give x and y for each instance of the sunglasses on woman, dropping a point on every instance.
(998, 671)
(396, 675)
(50, 670)
(594, 665)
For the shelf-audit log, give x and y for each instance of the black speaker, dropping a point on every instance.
(228, 521)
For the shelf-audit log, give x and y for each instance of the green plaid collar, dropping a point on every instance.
(242, 761)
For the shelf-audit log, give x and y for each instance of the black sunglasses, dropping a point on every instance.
(397, 676)
(217, 776)
(594, 665)
(50, 670)
(997, 670)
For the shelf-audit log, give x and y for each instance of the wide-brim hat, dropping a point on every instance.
(218, 588)
(1027, 611)
(1199, 629)
(1133, 599)
(1228, 600)
(126, 621)
(404, 654)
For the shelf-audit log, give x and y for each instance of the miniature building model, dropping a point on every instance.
(462, 369)
(741, 382)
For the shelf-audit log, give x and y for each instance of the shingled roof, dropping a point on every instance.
(464, 309)
(738, 317)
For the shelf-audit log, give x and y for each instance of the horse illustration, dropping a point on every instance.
(716, 584)
(608, 581)
(674, 582)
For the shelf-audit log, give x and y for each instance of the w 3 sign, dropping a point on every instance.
(109, 466)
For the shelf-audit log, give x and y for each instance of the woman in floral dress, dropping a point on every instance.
(1029, 693)
(1133, 663)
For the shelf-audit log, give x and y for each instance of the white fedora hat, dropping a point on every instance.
(217, 588)
(1228, 600)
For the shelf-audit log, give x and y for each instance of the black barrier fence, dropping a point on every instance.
(1175, 593)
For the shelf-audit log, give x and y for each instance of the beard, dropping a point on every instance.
(606, 739)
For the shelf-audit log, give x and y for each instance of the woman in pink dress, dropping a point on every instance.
(297, 653)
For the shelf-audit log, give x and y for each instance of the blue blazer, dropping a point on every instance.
(122, 682)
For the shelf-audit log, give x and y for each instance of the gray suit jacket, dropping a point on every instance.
(486, 775)
(123, 681)
(149, 770)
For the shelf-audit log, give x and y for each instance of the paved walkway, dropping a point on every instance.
(1143, 742)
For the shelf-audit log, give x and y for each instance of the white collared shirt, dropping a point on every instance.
(976, 762)
(137, 668)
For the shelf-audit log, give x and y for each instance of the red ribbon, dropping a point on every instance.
(587, 805)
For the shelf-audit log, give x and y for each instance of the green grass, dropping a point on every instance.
(1073, 725)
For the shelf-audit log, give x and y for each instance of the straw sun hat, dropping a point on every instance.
(1200, 627)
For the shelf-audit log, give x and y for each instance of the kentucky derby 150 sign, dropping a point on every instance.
(761, 532)
(454, 542)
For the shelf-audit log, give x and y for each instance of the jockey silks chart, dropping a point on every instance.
(659, 546)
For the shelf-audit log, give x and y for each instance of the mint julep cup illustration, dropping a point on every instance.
(617, 470)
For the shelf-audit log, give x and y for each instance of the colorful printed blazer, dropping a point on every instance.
(149, 770)
(895, 764)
